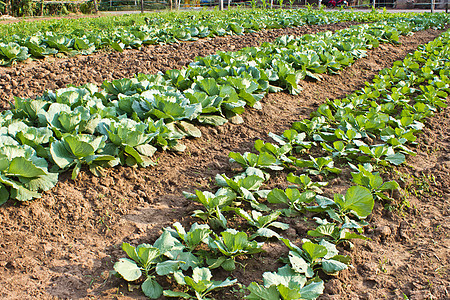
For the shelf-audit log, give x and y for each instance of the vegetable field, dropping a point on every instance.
(289, 155)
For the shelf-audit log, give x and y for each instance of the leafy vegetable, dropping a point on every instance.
(200, 283)
(146, 260)
(213, 203)
(261, 222)
(231, 244)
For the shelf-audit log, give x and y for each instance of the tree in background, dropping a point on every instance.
(21, 8)
(2, 7)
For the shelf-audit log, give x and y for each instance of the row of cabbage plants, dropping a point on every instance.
(370, 129)
(172, 28)
(130, 119)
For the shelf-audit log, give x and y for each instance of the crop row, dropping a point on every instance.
(368, 130)
(161, 19)
(171, 28)
(129, 119)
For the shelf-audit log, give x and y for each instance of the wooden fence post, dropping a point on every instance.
(142, 6)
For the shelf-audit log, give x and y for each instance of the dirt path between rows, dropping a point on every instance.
(64, 245)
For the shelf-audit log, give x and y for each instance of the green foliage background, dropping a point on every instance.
(27, 8)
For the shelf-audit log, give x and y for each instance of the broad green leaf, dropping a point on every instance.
(13, 50)
(216, 263)
(266, 159)
(20, 166)
(260, 292)
(78, 147)
(196, 235)
(300, 265)
(180, 230)
(4, 164)
(278, 196)
(212, 120)
(288, 293)
(146, 149)
(312, 290)
(166, 242)
(229, 265)
(41, 183)
(21, 193)
(323, 230)
(76, 170)
(130, 251)
(209, 85)
(357, 199)
(188, 260)
(331, 249)
(314, 251)
(396, 159)
(18, 191)
(390, 185)
(201, 274)
(151, 288)
(280, 225)
(252, 182)
(127, 269)
(331, 266)
(60, 155)
(199, 286)
(117, 46)
(347, 235)
(218, 284)
(167, 267)
(179, 277)
(237, 157)
(4, 194)
(266, 232)
(138, 158)
(190, 129)
(147, 255)
(285, 276)
(169, 293)
(234, 241)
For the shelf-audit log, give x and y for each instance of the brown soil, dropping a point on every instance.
(65, 244)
